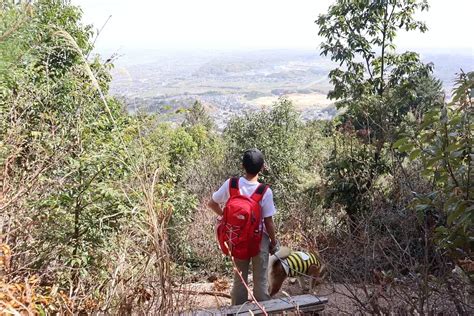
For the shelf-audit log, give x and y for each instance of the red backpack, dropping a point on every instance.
(240, 230)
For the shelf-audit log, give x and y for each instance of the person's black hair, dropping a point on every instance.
(253, 161)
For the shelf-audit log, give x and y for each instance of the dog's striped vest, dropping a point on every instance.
(299, 262)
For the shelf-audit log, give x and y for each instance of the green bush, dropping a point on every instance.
(444, 145)
(278, 134)
(350, 173)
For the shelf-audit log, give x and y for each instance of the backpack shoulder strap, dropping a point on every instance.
(259, 192)
(234, 186)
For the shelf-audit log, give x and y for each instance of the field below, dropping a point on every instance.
(315, 100)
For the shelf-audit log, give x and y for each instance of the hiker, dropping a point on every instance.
(248, 185)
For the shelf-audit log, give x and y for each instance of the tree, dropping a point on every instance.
(197, 115)
(360, 35)
(375, 86)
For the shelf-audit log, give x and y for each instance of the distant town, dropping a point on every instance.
(230, 84)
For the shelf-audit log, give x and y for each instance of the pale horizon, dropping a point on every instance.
(207, 25)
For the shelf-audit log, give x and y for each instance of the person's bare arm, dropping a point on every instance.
(215, 207)
(270, 226)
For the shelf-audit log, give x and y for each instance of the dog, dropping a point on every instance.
(287, 263)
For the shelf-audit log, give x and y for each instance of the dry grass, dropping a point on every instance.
(26, 296)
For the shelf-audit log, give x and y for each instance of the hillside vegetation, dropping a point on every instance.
(103, 211)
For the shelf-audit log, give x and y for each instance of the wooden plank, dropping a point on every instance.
(307, 302)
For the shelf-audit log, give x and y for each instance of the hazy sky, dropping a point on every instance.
(255, 24)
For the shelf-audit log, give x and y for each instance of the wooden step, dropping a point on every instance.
(307, 302)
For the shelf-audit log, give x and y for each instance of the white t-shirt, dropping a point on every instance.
(247, 188)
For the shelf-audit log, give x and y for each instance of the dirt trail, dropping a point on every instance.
(338, 301)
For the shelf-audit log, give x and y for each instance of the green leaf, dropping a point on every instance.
(441, 230)
(431, 162)
(427, 172)
(453, 146)
(456, 213)
(431, 116)
(422, 207)
(400, 142)
(457, 154)
(415, 154)
(407, 147)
